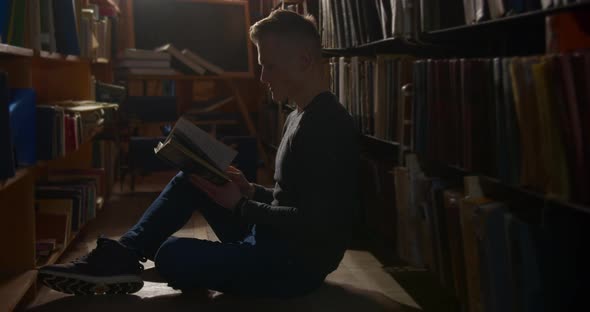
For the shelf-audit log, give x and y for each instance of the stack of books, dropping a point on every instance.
(143, 62)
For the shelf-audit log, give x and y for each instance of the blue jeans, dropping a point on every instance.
(234, 265)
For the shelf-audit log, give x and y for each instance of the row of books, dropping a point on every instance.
(485, 250)
(350, 23)
(439, 14)
(65, 202)
(477, 11)
(63, 126)
(95, 33)
(66, 27)
(370, 88)
(522, 120)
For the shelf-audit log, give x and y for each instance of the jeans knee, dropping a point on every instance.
(166, 257)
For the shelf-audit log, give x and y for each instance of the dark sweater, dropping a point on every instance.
(316, 191)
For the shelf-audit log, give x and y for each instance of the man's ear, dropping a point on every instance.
(305, 59)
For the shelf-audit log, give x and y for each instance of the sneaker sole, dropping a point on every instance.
(84, 285)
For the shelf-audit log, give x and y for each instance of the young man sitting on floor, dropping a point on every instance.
(277, 242)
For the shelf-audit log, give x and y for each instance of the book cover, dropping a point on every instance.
(498, 285)
(7, 164)
(192, 150)
(59, 207)
(402, 198)
(145, 55)
(512, 127)
(180, 62)
(194, 57)
(497, 8)
(557, 173)
(17, 25)
(47, 36)
(440, 237)
(522, 241)
(75, 195)
(452, 199)
(22, 124)
(474, 198)
(4, 19)
(66, 34)
(575, 80)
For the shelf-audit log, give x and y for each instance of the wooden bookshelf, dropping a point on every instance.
(561, 221)
(14, 287)
(19, 174)
(54, 77)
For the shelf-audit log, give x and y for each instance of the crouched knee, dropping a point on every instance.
(167, 257)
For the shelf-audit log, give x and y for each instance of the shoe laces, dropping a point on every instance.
(95, 253)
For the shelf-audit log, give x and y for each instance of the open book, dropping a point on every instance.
(193, 150)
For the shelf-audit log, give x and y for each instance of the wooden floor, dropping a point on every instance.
(361, 283)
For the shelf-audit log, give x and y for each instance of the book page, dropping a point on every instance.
(221, 154)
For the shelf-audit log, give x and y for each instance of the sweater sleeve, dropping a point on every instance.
(262, 194)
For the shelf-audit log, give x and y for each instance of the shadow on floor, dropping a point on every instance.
(330, 297)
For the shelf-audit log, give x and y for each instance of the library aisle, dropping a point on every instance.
(361, 283)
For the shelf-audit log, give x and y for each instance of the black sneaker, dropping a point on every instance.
(110, 268)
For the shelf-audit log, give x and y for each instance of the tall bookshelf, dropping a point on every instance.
(506, 35)
(54, 77)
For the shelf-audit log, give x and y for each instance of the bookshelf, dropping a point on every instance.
(561, 221)
(37, 65)
(431, 44)
(46, 75)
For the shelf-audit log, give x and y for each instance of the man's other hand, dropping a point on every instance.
(246, 188)
(227, 195)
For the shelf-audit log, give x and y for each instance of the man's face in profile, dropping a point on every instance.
(280, 70)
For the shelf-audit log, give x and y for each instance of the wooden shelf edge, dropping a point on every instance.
(381, 141)
(175, 77)
(506, 19)
(20, 173)
(14, 288)
(14, 50)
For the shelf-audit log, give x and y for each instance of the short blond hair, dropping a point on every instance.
(289, 25)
